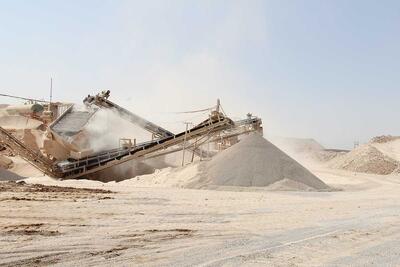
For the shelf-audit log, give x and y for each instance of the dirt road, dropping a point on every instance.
(116, 224)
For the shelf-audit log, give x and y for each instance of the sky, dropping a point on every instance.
(327, 70)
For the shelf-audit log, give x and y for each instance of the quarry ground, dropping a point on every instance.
(153, 226)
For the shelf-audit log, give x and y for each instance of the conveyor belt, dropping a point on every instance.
(104, 160)
(101, 101)
(78, 168)
(249, 121)
(35, 158)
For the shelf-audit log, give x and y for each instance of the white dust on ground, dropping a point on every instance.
(144, 225)
(150, 226)
(380, 156)
(253, 162)
(22, 168)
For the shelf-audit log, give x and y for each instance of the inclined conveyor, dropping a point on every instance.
(78, 168)
(101, 100)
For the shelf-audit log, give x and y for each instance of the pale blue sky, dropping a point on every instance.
(321, 69)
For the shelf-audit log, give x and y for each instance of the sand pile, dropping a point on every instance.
(23, 168)
(28, 130)
(384, 139)
(254, 161)
(5, 162)
(390, 148)
(6, 175)
(17, 122)
(380, 156)
(252, 164)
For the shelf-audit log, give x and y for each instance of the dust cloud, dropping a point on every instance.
(107, 127)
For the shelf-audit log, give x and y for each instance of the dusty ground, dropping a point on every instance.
(153, 226)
